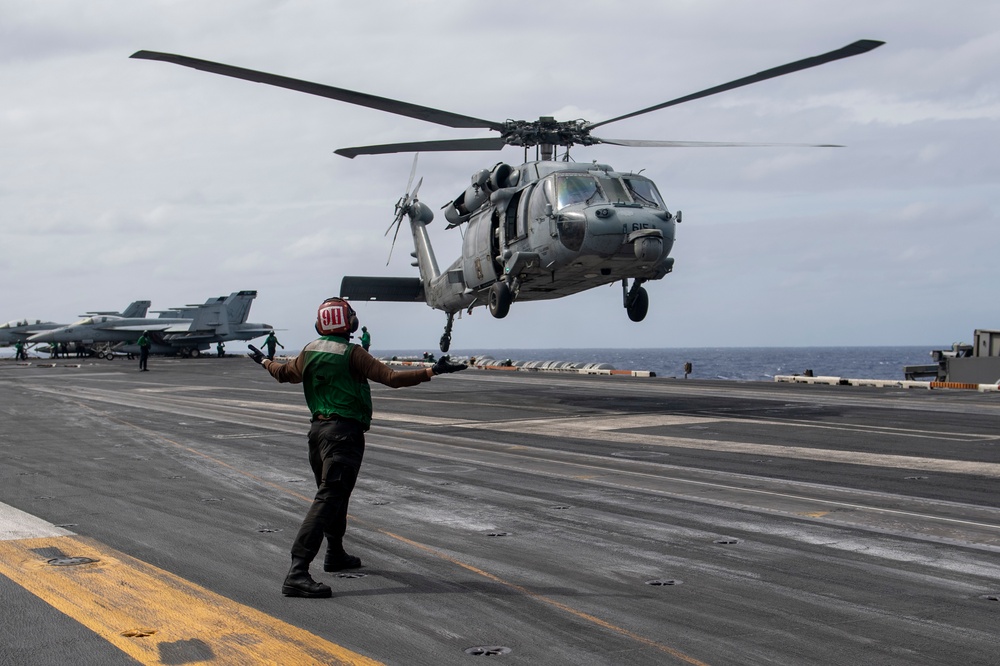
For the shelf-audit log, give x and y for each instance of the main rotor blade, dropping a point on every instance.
(640, 143)
(489, 143)
(361, 99)
(857, 48)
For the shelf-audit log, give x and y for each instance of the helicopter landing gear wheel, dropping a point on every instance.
(636, 300)
(638, 305)
(500, 299)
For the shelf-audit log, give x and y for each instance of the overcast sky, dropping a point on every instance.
(126, 179)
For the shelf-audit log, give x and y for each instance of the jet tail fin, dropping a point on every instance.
(209, 317)
(238, 306)
(136, 309)
(221, 314)
(396, 289)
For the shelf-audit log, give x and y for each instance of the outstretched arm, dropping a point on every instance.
(365, 365)
(290, 372)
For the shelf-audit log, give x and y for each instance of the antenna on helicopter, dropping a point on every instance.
(403, 206)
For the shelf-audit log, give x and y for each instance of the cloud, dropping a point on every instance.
(204, 185)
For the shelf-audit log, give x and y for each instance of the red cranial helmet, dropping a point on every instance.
(336, 317)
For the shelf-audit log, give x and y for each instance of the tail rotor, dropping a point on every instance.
(404, 206)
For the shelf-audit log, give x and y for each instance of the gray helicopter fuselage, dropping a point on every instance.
(554, 229)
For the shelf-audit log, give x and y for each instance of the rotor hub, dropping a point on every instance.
(547, 131)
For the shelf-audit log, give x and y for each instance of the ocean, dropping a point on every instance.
(732, 363)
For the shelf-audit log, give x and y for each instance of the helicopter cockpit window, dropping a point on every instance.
(644, 192)
(614, 190)
(576, 189)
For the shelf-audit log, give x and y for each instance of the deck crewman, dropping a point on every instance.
(143, 343)
(334, 374)
(270, 342)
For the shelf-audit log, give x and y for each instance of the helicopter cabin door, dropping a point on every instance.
(479, 249)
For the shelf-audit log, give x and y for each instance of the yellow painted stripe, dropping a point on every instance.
(154, 616)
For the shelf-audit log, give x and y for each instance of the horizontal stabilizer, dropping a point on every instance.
(358, 288)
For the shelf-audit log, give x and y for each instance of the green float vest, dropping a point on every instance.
(328, 385)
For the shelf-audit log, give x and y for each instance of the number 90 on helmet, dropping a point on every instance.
(336, 317)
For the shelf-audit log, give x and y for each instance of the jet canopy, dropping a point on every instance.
(20, 323)
(90, 321)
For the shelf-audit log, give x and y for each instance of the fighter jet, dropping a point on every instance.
(186, 331)
(22, 329)
(230, 323)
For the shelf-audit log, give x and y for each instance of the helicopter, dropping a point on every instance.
(548, 228)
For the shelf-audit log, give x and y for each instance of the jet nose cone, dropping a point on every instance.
(46, 336)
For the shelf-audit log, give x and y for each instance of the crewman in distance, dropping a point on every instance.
(270, 342)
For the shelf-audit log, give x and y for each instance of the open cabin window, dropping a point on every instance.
(511, 230)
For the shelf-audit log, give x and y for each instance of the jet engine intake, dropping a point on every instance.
(500, 177)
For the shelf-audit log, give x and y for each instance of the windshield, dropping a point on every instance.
(614, 189)
(644, 191)
(83, 322)
(576, 189)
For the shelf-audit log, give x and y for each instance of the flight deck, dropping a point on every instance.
(506, 517)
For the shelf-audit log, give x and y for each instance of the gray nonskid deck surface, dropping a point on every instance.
(571, 519)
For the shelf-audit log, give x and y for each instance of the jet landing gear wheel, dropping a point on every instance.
(500, 299)
(638, 305)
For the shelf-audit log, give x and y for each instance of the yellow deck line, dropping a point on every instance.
(154, 616)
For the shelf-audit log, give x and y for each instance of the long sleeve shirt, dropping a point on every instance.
(363, 366)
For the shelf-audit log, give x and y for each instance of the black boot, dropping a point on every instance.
(298, 582)
(338, 560)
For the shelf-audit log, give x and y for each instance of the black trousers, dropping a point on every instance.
(336, 449)
(143, 356)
